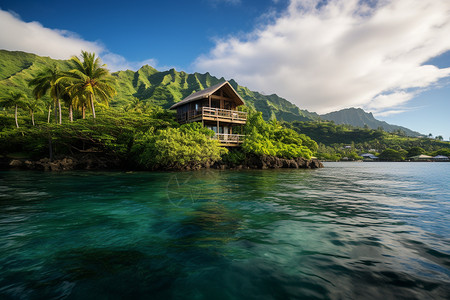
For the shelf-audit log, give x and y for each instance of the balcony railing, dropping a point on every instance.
(232, 115)
(229, 139)
(211, 113)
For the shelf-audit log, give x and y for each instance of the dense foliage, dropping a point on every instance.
(190, 145)
(111, 133)
(271, 138)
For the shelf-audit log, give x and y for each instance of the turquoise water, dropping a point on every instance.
(348, 231)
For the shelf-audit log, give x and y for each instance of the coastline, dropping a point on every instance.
(104, 162)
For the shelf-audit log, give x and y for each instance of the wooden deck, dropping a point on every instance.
(229, 140)
(213, 114)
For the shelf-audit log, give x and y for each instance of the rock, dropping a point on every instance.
(15, 163)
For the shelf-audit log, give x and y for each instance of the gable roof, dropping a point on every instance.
(208, 92)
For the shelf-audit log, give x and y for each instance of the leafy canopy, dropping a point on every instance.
(271, 138)
(176, 148)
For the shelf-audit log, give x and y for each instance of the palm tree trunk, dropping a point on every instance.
(32, 117)
(60, 113)
(92, 105)
(70, 113)
(56, 111)
(49, 111)
(83, 111)
(15, 116)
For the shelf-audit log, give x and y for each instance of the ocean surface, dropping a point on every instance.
(347, 231)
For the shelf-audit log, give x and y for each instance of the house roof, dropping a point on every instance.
(369, 155)
(440, 157)
(208, 92)
(421, 156)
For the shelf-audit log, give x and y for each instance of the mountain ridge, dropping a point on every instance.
(359, 118)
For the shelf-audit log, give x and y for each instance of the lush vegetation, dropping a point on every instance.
(190, 145)
(271, 138)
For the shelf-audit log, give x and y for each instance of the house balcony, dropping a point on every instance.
(213, 114)
(229, 140)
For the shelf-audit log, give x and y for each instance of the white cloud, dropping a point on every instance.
(390, 112)
(116, 62)
(340, 54)
(35, 38)
(59, 44)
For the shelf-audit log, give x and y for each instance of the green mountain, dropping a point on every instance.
(359, 118)
(148, 85)
(168, 87)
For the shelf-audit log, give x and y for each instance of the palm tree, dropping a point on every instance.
(15, 99)
(90, 79)
(47, 80)
(48, 103)
(33, 105)
(68, 101)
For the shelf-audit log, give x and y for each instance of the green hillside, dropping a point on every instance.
(359, 118)
(148, 85)
(17, 68)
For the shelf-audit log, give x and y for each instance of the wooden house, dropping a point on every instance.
(216, 108)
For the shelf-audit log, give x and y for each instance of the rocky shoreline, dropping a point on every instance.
(95, 162)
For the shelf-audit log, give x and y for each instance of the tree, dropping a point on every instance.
(176, 148)
(414, 151)
(33, 105)
(48, 80)
(440, 138)
(48, 103)
(16, 100)
(88, 78)
(391, 154)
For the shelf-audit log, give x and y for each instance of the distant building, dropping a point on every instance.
(421, 157)
(369, 156)
(440, 158)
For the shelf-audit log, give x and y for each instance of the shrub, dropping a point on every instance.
(177, 148)
(270, 138)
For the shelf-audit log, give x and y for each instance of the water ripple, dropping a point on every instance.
(348, 231)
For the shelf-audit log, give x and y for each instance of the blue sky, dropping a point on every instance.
(387, 57)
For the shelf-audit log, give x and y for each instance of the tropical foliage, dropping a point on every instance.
(176, 148)
(271, 138)
(89, 80)
(47, 81)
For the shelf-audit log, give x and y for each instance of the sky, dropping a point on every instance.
(389, 57)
